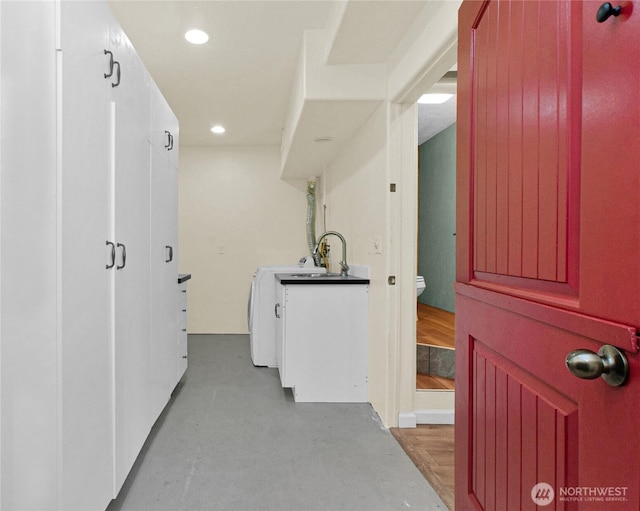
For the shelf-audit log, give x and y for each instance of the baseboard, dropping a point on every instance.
(434, 417)
(407, 420)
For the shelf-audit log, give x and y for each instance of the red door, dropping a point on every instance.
(548, 255)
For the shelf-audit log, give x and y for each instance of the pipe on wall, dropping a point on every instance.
(311, 220)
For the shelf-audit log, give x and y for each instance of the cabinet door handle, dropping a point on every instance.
(276, 310)
(113, 254)
(124, 256)
(169, 145)
(170, 254)
(107, 52)
(115, 62)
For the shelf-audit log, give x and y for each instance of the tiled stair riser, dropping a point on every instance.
(436, 361)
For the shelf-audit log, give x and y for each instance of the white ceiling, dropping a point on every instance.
(242, 77)
(432, 119)
(371, 41)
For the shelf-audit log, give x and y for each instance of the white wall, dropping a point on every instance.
(428, 50)
(360, 206)
(232, 200)
(356, 193)
(426, 53)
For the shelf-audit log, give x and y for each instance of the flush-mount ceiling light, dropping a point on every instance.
(196, 36)
(434, 99)
(218, 130)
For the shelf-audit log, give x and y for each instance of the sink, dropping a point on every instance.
(318, 278)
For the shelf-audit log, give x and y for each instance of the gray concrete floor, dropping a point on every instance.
(232, 439)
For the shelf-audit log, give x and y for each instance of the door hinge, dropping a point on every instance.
(392, 187)
(392, 280)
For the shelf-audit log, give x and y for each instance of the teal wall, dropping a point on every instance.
(437, 219)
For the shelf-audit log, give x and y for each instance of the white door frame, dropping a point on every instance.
(411, 406)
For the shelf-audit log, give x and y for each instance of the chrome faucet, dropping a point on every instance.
(343, 263)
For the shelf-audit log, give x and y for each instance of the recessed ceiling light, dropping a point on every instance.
(218, 130)
(434, 99)
(196, 36)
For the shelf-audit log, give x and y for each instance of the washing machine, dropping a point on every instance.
(261, 317)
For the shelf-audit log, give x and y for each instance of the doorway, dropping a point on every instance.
(435, 365)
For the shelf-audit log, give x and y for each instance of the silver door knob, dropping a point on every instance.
(610, 363)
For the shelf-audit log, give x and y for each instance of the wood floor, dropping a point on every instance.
(435, 327)
(430, 447)
(431, 381)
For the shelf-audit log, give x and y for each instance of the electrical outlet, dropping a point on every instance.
(377, 244)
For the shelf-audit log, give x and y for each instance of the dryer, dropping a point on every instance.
(261, 319)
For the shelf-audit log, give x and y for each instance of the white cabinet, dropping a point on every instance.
(85, 284)
(163, 253)
(28, 262)
(322, 341)
(133, 413)
(130, 216)
(164, 133)
(86, 211)
(182, 326)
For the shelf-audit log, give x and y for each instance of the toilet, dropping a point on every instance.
(420, 285)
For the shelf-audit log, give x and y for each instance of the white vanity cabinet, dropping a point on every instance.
(86, 214)
(322, 339)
